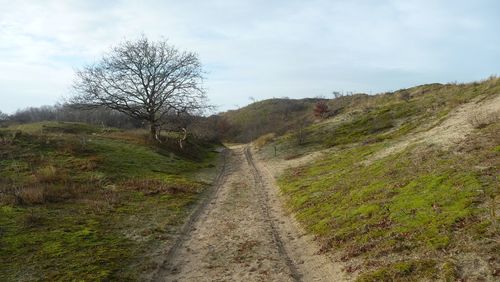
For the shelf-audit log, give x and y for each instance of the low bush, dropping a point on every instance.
(264, 140)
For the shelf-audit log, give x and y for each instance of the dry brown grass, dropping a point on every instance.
(153, 186)
(102, 200)
(491, 81)
(48, 174)
(89, 164)
(480, 120)
(137, 136)
(31, 195)
(70, 192)
(264, 139)
(293, 156)
(42, 193)
(94, 193)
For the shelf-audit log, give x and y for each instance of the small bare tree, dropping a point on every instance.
(300, 131)
(3, 116)
(337, 94)
(145, 80)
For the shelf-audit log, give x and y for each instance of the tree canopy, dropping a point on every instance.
(147, 80)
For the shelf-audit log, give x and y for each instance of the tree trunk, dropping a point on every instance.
(183, 138)
(300, 137)
(153, 132)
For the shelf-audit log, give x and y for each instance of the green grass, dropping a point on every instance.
(275, 115)
(74, 242)
(60, 127)
(127, 159)
(399, 204)
(67, 246)
(385, 117)
(424, 202)
(96, 205)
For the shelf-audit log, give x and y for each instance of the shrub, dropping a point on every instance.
(321, 109)
(264, 140)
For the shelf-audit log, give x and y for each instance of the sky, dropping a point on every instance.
(254, 48)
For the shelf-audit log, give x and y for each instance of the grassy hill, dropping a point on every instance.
(273, 115)
(78, 202)
(404, 185)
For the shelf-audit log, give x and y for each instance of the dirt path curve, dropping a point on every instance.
(242, 234)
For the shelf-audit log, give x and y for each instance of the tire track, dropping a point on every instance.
(184, 234)
(240, 233)
(264, 201)
(301, 247)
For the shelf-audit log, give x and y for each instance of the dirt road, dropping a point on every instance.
(241, 233)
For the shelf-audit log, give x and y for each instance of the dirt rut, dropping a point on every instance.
(242, 234)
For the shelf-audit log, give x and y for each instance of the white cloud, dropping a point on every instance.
(254, 48)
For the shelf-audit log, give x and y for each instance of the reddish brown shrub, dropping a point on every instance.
(321, 109)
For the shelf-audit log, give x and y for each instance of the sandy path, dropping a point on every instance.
(243, 234)
(301, 247)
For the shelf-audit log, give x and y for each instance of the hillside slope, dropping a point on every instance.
(78, 202)
(401, 186)
(273, 115)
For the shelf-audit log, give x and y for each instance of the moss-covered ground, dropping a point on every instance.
(407, 216)
(80, 203)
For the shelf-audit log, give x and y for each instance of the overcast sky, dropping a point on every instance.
(255, 48)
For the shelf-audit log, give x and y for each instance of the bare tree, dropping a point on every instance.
(145, 80)
(337, 94)
(300, 131)
(3, 116)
